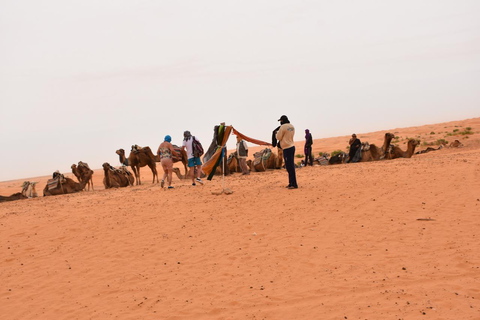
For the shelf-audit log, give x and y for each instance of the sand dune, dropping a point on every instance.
(392, 239)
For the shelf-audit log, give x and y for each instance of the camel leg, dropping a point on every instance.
(136, 172)
(154, 171)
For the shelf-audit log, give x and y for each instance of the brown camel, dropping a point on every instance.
(13, 197)
(116, 178)
(456, 144)
(137, 159)
(266, 159)
(83, 172)
(232, 162)
(396, 152)
(371, 152)
(66, 185)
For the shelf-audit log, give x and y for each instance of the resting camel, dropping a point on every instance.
(13, 197)
(83, 172)
(429, 149)
(116, 178)
(396, 152)
(455, 144)
(274, 161)
(28, 189)
(67, 186)
(371, 152)
(137, 159)
(232, 163)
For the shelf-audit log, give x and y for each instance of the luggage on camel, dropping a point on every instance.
(260, 159)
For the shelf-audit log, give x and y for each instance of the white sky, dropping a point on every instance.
(80, 79)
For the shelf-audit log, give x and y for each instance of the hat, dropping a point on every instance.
(168, 138)
(283, 118)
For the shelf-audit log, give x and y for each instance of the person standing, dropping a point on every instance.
(165, 152)
(355, 145)
(194, 163)
(285, 136)
(242, 154)
(308, 148)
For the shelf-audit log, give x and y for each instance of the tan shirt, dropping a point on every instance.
(285, 135)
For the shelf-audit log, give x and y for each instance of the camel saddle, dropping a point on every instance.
(56, 182)
(365, 146)
(231, 157)
(260, 158)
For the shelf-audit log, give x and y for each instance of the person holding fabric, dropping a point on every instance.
(194, 163)
(165, 152)
(242, 154)
(308, 148)
(285, 136)
(355, 145)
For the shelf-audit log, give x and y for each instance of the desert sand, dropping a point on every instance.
(396, 239)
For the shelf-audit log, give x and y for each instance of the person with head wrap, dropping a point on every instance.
(355, 145)
(194, 163)
(165, 152)
(285, 137)
(308, 148)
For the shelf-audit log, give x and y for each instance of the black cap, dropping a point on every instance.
(283, 118)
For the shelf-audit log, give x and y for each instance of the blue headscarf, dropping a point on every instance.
(168, 138)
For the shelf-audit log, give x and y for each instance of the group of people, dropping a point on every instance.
(284, 134)
(166, 152)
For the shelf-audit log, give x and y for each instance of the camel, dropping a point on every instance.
(28, 189)
(13, 197)
(232, 162)
(396, 152)
(456, 144)
(371, 152)
(266, 159)
(83, 172)
(116, 178)
(139, 158)
(65, 185)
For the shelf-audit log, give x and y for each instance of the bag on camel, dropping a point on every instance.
(197, 148)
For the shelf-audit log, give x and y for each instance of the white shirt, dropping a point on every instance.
(188, 145)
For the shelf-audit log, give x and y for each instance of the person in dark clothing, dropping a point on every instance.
(308, 148)
(285, 137)
(355, 144)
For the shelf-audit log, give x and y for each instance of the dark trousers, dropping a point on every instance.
(308, 156)
(289, 156)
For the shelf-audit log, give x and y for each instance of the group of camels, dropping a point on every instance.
(141, 157)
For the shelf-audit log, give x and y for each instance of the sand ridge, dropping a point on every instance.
(348, 244)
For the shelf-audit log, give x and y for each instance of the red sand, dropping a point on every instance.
(348, 244)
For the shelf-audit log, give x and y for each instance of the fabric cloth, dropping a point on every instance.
(254, 141)
(289, 156)
(195, 161)
(285, 135)
(242, 149)
(354, 146)
(242, 162)
(165, 153)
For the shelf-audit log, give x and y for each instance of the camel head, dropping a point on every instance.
(106, 166)
(120, 152)
(389, 136)
(74, 166)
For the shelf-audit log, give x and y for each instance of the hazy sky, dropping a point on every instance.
(80, 79)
